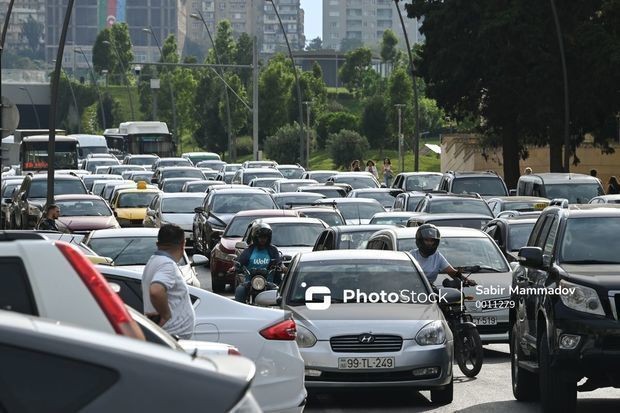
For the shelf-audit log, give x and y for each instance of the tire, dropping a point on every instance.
(524, 383)
(443, 396)
(556, 393)
(468, 352)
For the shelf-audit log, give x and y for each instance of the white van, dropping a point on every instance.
(88, 144)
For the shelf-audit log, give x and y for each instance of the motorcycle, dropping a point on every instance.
(468, 349)
(259, 280)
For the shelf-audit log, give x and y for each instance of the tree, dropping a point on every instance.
(317, 71)
(284, 144)
(374, 122)
(400, 92)
(32, 30)
(210, 132)
(333, 122)
(348, 44)
(238, 112)
(388, 46)
(315, 44)
(104, 57)
(356, 63)
(225, 43)
(274, 95)
(243, 56)
(169, 50)
(346, 146)
(119, 36)
(312, 90)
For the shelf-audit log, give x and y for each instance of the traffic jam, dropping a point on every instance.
(246, 287)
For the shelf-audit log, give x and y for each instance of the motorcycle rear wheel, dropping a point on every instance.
(468, 352)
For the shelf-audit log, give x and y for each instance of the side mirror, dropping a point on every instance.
(199, 210)
(198, 260)
(531, 257)
(268, 298)
(241, 245)
(449, 296)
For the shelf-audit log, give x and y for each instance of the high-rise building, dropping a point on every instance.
(22, 11)
(363, 22)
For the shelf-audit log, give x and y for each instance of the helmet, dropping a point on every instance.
(261, 230)
(427, 231)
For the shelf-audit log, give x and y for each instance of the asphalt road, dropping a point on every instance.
(489, 392)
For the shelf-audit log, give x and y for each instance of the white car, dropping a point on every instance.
(264, 335)
(131, 248)
(174, 208)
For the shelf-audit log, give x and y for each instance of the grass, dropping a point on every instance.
(120, 94)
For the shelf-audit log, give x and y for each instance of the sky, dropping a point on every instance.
(313, 18)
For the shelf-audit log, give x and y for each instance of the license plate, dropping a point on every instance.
(485, 321)
(358, 363)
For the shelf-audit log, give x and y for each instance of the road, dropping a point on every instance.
(490, 392)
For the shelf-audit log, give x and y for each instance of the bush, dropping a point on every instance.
(284, 145)
(244, 145)
(346, 146)
(334, 122)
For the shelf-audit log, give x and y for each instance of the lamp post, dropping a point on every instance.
(72, 96)
(301, 116)
(124, 69)
(92, 75)
(416, 109)
(401, 160)
(34, 108)
(232, 150)
(174, 108)
(308, 104)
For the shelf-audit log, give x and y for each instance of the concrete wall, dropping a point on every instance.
(464, 153)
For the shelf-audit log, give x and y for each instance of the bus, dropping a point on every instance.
(115, 142)
(33, 153)
(147, 138)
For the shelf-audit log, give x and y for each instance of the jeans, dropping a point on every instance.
(241, 292)
(388, 180)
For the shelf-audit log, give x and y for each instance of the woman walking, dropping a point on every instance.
(387, 172)
(614, 186)
(355, 166)
(370, 167)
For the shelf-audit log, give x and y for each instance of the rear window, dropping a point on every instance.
(247, 177)
(465, 223)
(330, 218)
(233, 203)
(359, 211)
(518, 236)
(459, 206)
(355, 240)
(183, 173)
(357, 182)
(422, 182)
(38, 188)
(84, 208)
(479, 185)
(575, 193)
(135, 199)
(180, 205)
(16, 293)
(295, 235)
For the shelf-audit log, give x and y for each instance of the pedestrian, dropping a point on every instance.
(614, 186)
(355, 166)
(528, 171)
(370, 167)
(48, 223)
(387, 172)
(165, 293)
(593, 172)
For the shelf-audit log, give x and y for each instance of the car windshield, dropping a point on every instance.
(518, 235)
(174, 162)
(321, 177)
(355, 240)
(575, 193)
(8, 189)
(296, 200)
(84, 208)
(263, 183)
(327, 191)
(290, 186)
(180, 205)
(38, 188)
(479, 185)
(459, 206)
(233, 203)
(588, 241)
(525, 206)
(367, 276)
(135, 199)
(291, 173)
(390, 220)
(173, 186)
(422, 182)
(357, 182)
(216, 165)
(470, 251)
(384, 198)
(331, 218)
(198, 187)
(248, 176)
(295, 234)
(93, 164)
(474, 223)
(142, 161)
(183, 173)
(127, 250)
(359, 211)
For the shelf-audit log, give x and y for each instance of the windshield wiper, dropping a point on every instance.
(489, 269)
(123, 250)
(585, 262)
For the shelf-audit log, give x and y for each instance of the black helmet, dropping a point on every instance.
(427, 231)
(261, 230)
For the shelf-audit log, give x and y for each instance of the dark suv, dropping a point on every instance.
(488, 183)
(566, 297)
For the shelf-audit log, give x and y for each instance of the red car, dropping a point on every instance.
(223, 253)
(81, 214)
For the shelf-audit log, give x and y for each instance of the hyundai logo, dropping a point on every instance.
(366, 338)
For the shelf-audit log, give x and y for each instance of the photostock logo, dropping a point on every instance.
(325, 292)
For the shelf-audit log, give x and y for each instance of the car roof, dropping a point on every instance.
(343, 229)
(290, 166)
(291, 220)
(178, 168)
(354, 255)
(354, 174)
(348, 201)
(150, 156)
(267, 213)
(609, 197)
(371, 190)
(38, 177)
(166, 195)
(518, 199)
(489, 174)
(589, 210)
(437, 217)
(450, 195)
(396, 214)
(420, 173)
(296, 181)
(182, 178)
(256, 170)
(448, 232)
(516, 220)
(556, 177)
(322, 208)
(124, 232)
(136, 190)
(173, 158)
(296, 194)
(76, 197)
(237, 191)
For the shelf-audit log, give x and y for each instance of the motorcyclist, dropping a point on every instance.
(258, 255)
(433, 262)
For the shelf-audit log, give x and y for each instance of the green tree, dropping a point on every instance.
(374, 122)
(225, 43)
(243, 56)
(274, 95)
(348, 44)
(389, 41)
(119, 34)
(104, 57)
(284, 144)
(317, 71)
(210, 132)
(346, 146)
(32, 30)
(169, 50)
(400, 92)
(238, 111)
(330, 123)
(356, 64)
(315, 44)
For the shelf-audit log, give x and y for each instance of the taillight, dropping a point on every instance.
(108, 300)
(284, 330)
(232, 351)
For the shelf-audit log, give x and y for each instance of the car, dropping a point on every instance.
(76, 240)
(291, 185)
(209, 174)
(110, 186)
(101, 170)
(320, 176)
(119, 169)
(81, 214)
(399, 218)
(91, 164)
(142, 160)
(106, 372)
(214, 164)
(264, 335)
(291, 235)
(175, 184)
(199, 185)
(176, 172)
(138, 176)
(417, 181)
(330, 191)
(385, 196)
(487, 184)
(170, 162)
(227, 173)
(99, 185)
(476, 221)
(577, 188)
(218, 209)
(356, 211)
(245, 175)
(355, 344)
(9, 185)
(174, 208)
(27, 208)
(510, 234)
(454, 203)
(223, 253)
(517, 203)
(196, 157)
(292, 199)
(408, 201)
(466, 247)
(328, 214)
(346, 237)
(131, 248)
(130, 204)
(605, 199)
(89, 180)
(259, 164)
(266, 183)
(28, 288)
(291, 171)
(356, 180)
(564, 324)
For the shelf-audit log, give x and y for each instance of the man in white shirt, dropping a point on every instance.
(165, 293)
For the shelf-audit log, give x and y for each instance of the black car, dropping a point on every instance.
(566, 297)
(510, 234)
(346, 237)
(408, 201)
(438, 203)
(176, 172)
(475, 221)
(417, 181)
(487, 183)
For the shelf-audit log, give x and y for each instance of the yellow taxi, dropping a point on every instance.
(129, 205)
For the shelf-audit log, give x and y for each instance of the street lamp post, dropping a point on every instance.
(174, 108)
(124, 69)
(301, 116)
(92, 75)
(401, 160)
(308, 104)
(34, 108)
(232, 150)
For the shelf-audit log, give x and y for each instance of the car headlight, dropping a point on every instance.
(580, 298)
(431, 334)
(305, 338)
